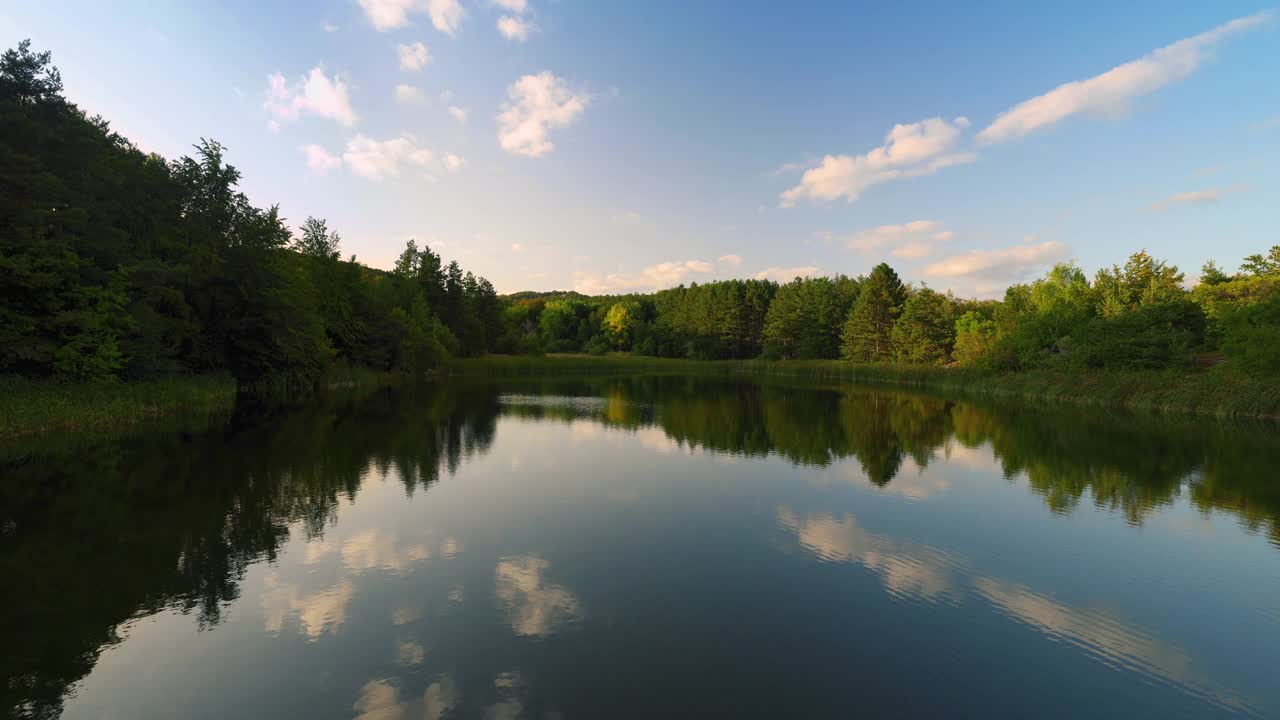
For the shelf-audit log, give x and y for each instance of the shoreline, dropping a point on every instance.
(1216, 392)
(30, 408)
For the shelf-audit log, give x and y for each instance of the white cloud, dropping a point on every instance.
(517, 247)
(911, 241)
(409, 95)
(379, 700)
(376, 159)
(911, 150)
(983, 272)
(1196, 197)
(654, 277)
(515, 28)
(537, 104)
(454, 163)
(533, 606)
(733, 261)
(329, 27)
(413, 57)
(1112, 91)
(273, 126)
(446, 15)
(316, 614)
(458, 113)
(516, 6)
(379, 550)
(388, 14)
(315, 94)
(321, 161)
(786, 274)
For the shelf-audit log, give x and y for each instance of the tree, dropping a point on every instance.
(975, 339)
(866, 333)
(620, 324)
(1263, 266)
(1251, 338)
(27, 77)
(925, 332)
(317, 241)
(1143, 281)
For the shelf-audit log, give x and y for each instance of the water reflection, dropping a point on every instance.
(533, 606)
(113, 530)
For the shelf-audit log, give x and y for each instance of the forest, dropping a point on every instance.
(118, 265)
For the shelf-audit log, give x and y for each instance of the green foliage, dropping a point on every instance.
(975, 340)
(925, 332)
(620, 324)
(1143, 281)
(804, 320)
(866, 336)
(1251, 337)
(1152, 337)
(118, 264)
(1263, 265)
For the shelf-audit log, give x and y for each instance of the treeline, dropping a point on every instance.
(119, 264)
(116, 263)
(1138, 316)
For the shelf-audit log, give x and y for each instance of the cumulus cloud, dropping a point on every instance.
(321, 161)
(1113, 91)
(983, 272)
(654, 277)
(454, 163)
(515, 6)
(315, 614)
(910, 150)
(515, 28)
(787, 274)
(537, 103)
(458, 113)
(409, 95)
(1196, 197)
(413, 57)
(375, 159)
(384, 15)
(314, 94)
(387, 14)
(911, 241)
(446, 15)
(533, 606)
(733, 261)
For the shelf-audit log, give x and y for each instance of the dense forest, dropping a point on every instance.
(117, 264)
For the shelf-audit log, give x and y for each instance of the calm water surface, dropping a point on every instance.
(645, 548)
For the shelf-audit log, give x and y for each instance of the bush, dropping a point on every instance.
(1152, 337)
(1251, 337)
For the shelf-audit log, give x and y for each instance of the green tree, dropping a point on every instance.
(866, 332)
(925, 332)
(620, 324)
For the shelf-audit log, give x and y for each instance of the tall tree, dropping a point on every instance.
(866, 333)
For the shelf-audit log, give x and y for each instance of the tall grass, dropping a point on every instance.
(1217, 391)
(30, 407)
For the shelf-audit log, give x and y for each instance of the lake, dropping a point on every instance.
(644, 547)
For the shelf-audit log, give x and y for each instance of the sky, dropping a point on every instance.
(607, 146)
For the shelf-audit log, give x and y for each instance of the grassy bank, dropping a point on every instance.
(28, 407)
(1216, 391)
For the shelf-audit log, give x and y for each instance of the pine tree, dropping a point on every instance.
(866, 333)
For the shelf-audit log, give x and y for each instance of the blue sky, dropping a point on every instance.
(617, 146)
